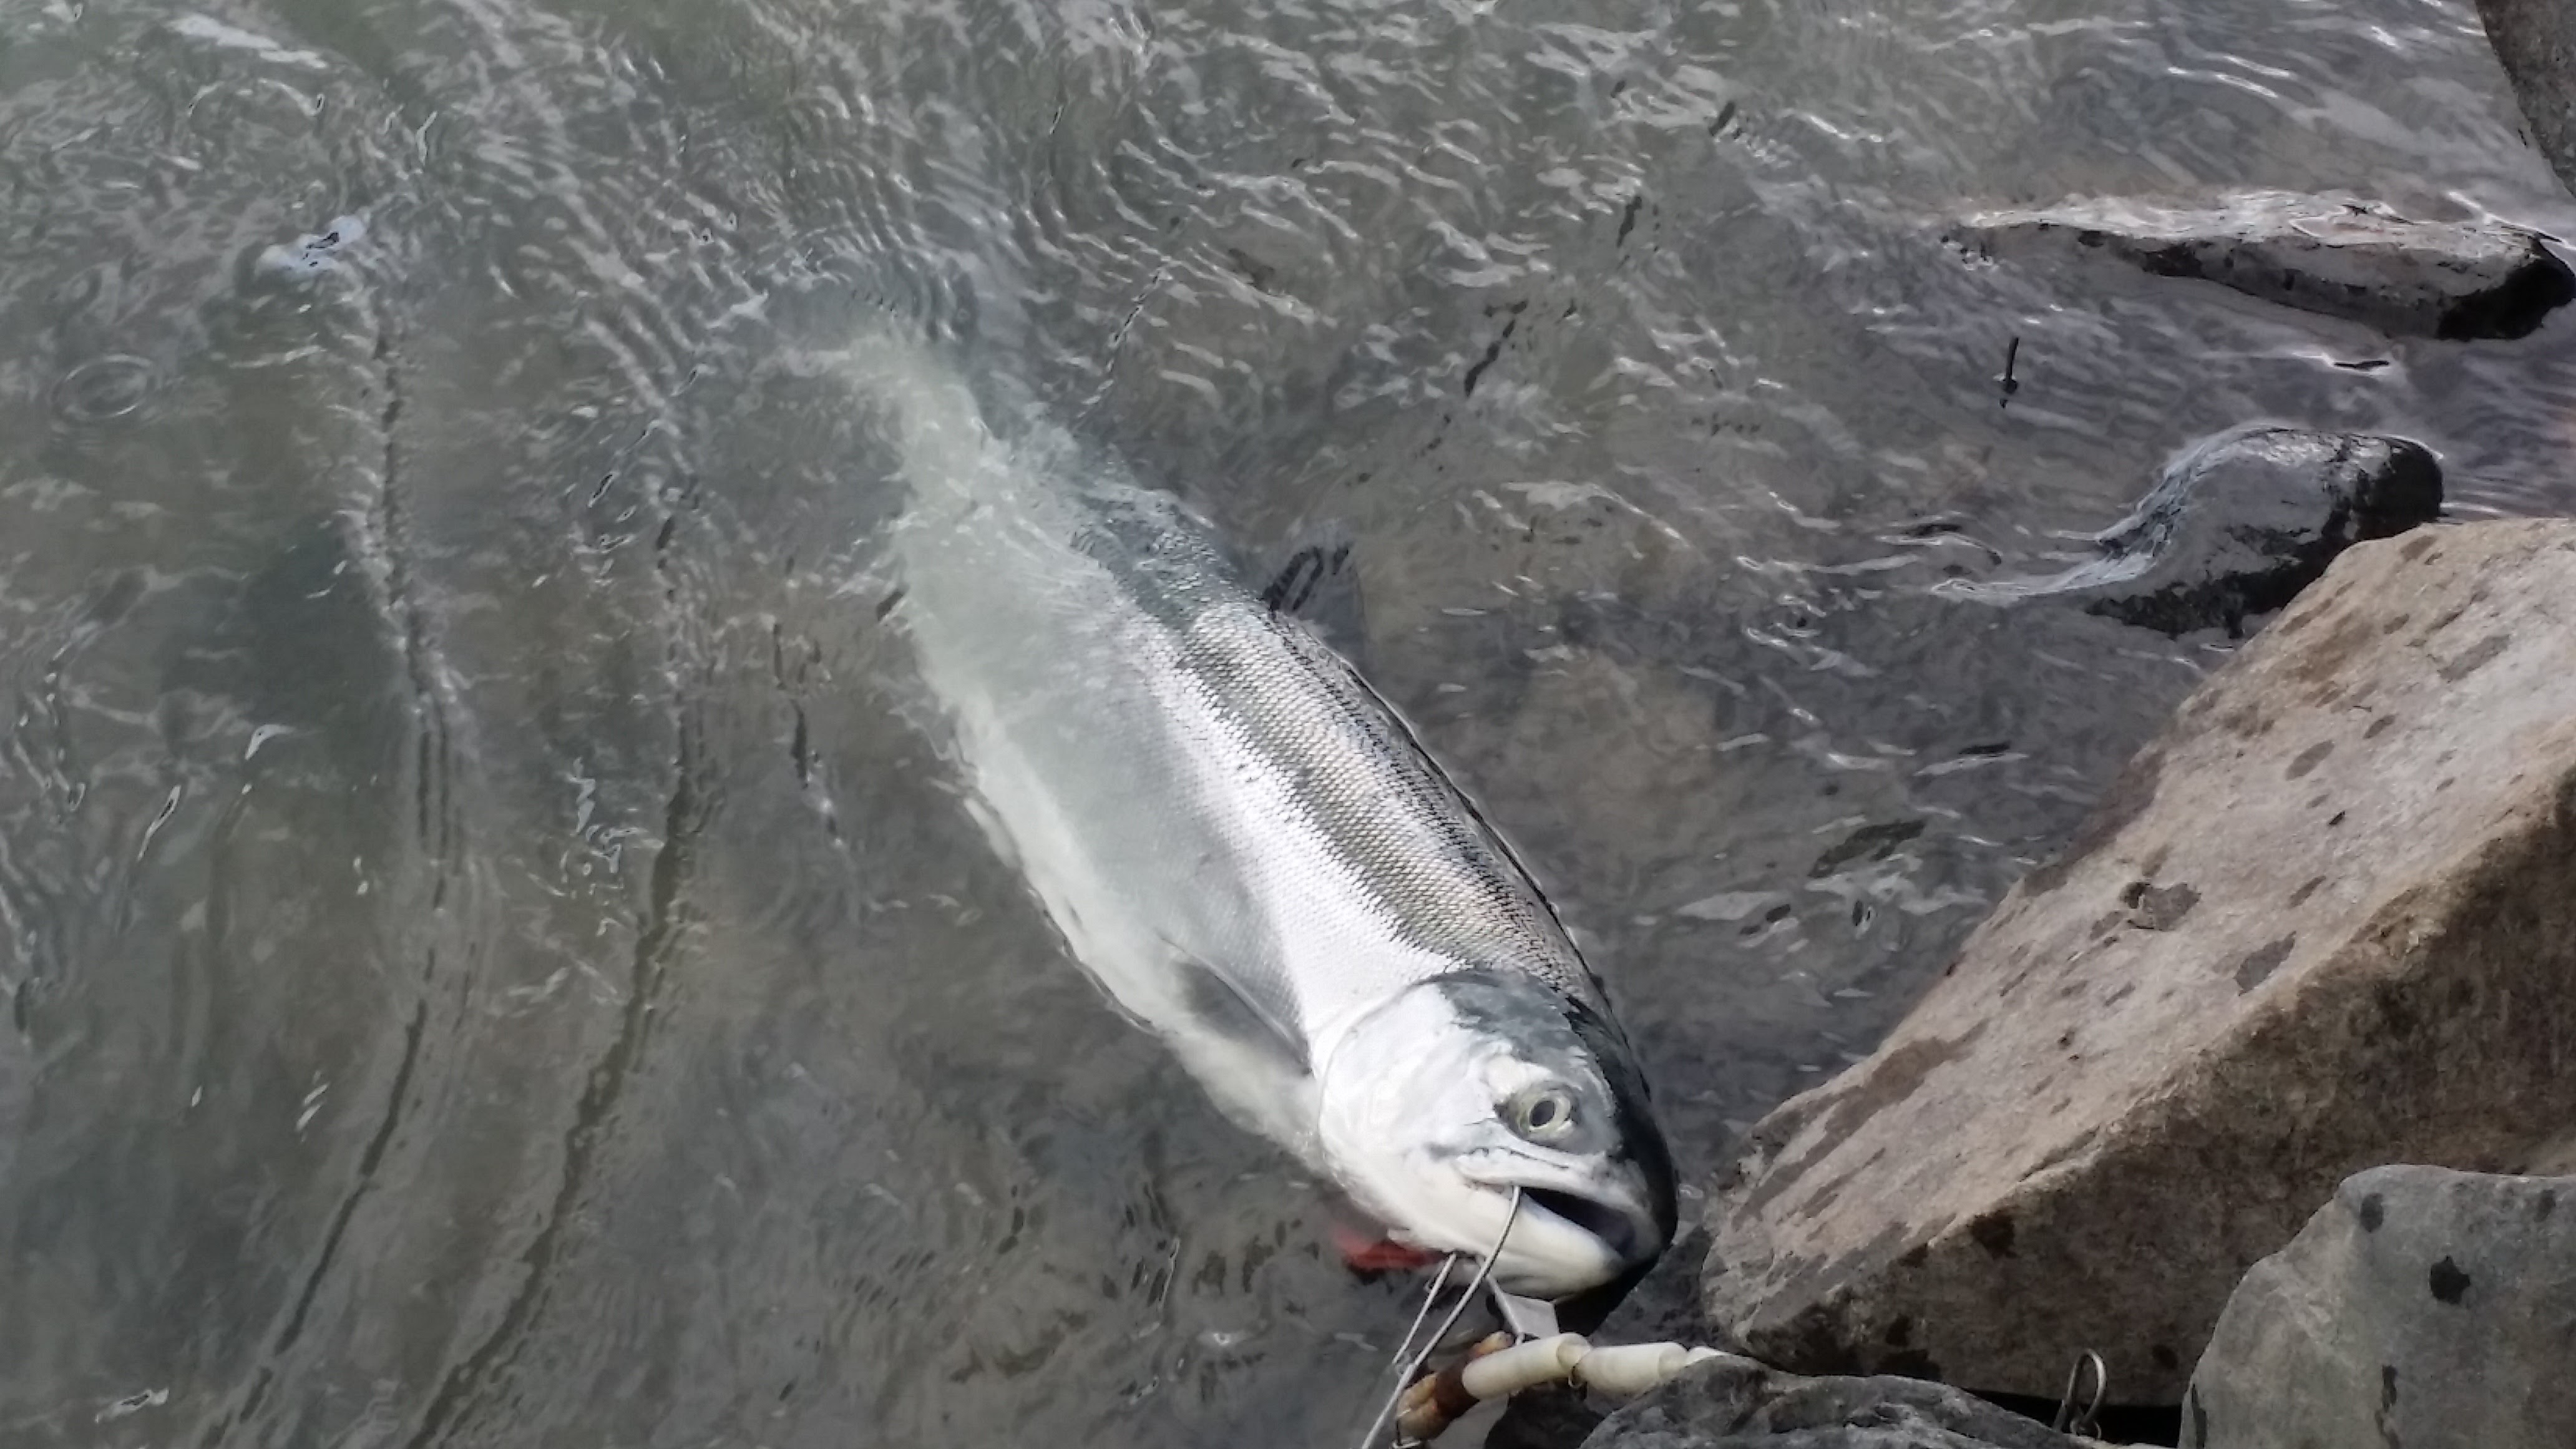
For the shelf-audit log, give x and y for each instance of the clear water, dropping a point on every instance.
(485, 962)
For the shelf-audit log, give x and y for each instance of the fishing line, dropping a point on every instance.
(1430, 1300)
(1408, 1367)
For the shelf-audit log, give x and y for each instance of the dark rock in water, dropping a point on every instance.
(2536, 40)
(2240, 524)
(1555, 1417)
(2454, 281)
(2421, 1307)
(2326, 919)
(1664, 1307)
(1738, 1404)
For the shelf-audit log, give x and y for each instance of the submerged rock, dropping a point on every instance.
(2536, 40)
(2327, 919)
(2451, 280)
(2239, 524)
(2421, 1307)
(1736, 1404)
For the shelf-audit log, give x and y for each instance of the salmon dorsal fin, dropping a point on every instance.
(1318, 584)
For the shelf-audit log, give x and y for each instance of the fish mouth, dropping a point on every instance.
(1614, 1228)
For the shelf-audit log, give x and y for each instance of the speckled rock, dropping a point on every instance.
(2422, 1308)
(2239, 524)
(2328, 255)
(2536, 40)
(2326, 920)
(1737, 1404)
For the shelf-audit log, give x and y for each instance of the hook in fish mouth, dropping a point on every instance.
(1569, 1241)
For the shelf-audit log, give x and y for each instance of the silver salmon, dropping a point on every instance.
(1249, 851)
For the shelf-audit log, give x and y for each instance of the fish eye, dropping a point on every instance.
(1543, 1113)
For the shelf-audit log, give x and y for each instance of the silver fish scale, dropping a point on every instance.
(1438, 876)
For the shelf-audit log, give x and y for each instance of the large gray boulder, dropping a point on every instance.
(1736, 1404)
(2536, 40)
(2322, 254)
(2421, 1307)
(2327, 920)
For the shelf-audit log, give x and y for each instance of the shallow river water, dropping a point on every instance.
(483, 958)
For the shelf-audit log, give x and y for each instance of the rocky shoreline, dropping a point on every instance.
(2264, 1089)
(2326, 921)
